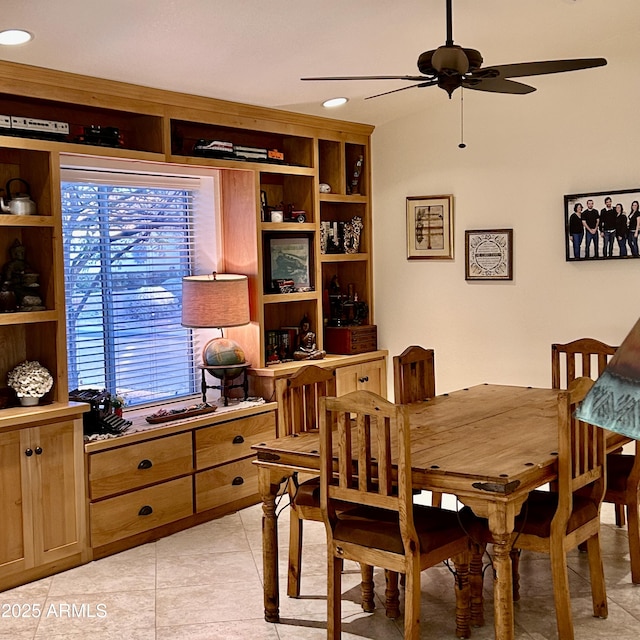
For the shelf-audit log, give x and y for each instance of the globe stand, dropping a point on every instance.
(225, 379)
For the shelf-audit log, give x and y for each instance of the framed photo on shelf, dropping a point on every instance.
(489, 254)
(288, 263)
(601, 225)
(430, 227)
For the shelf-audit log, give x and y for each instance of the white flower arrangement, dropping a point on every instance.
(30, 379)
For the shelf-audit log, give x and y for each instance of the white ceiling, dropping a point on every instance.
(256, 51)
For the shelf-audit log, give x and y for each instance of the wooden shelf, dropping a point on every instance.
(28, 317)
(8, 220)
(343, 199)
(344, 257)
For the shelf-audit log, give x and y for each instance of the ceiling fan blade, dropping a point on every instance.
(429, 83)
(411, 78)
(521, 69)
(497, 85)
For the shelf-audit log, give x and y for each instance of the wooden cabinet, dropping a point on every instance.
(125, 468)
(162, 479)
(360, 371)
(224, 460)
(42, 500)
(366, 376)
(143, 510)
(161, 126)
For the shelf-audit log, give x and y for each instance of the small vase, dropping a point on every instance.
(29, 401)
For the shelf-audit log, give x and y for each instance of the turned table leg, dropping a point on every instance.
(268, 492)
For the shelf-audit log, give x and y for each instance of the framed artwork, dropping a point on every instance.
(430, 227)
(288, 263)
(602, 225)
(489, 254)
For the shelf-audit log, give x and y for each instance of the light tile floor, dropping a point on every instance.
(206, 584)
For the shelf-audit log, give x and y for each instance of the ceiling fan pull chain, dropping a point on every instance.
(462, 145)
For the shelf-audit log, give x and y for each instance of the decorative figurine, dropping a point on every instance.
(18, 276)
(352, 231)
(307, 348)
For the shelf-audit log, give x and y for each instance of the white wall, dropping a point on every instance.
(579, 132)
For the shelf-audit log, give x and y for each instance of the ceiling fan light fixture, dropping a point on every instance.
(450, 58)
(334, 102)
(13, 37)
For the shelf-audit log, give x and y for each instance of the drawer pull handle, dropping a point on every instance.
(238, 480)
(145, 511)
(38, 451)
(238, 440)
(364, 379)
(28, 453)
(145, 464)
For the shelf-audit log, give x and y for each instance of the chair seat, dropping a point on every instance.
(380, 529)
(535, 516)
(538, 511)
(308, 493)
(618, 470)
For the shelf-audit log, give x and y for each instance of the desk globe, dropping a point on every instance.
(222, 352)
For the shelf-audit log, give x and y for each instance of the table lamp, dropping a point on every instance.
(218, 300)
(613, 402)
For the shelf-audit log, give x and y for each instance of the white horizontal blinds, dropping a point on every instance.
(128, 241)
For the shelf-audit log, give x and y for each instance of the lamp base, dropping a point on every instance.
(226, 375)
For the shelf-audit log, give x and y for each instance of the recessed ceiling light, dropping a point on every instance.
(335, 102)
(14, 36)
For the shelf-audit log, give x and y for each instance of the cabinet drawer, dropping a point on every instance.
(232, 440)
(123, 516)
(229, 482)
(136, 465)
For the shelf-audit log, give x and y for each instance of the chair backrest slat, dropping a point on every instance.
(414, 375)
(577, 358)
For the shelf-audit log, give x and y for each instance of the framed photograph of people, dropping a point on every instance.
(489, 254)
(288, 261)
(430, 227)
(602, 225)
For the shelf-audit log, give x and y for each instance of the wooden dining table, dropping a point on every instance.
(489, 445)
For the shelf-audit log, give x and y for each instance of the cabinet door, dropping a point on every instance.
(15, 549)
(367, 376)
(56, 477)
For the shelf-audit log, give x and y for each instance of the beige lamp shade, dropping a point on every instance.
(216, 300)
(614, 400)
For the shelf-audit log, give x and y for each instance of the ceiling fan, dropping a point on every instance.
(452, 66)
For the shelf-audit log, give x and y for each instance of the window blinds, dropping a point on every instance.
(128, 241)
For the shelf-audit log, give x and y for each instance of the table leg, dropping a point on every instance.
(501, 516)
(268, 491)
(503, 587)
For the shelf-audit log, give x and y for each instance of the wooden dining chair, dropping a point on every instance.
(583, 357)
(414, 375)
(365, 461)
(414, 380)
(298, 399)
(556, 522)
(623, 490)
(589, 357)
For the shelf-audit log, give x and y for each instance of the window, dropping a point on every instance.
(128, 241)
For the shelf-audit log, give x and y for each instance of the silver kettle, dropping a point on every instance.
(19, 204)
